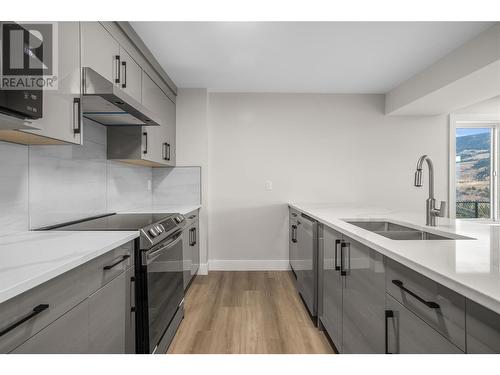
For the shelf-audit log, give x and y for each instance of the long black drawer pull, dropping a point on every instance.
(337, 243)
(124, 258)
(388, 314)
(344, 245)
(429, 304)
(36, 310)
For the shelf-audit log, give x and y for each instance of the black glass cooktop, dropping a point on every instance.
(113, 222)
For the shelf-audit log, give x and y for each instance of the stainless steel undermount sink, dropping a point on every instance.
(400, 232)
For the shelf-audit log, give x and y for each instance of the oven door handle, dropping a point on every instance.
(148, 258)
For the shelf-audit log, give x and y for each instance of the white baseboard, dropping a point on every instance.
(203, 269)
(248, 265)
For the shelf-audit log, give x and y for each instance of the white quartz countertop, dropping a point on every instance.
(160, 209)
(470, 267)
(28, 259)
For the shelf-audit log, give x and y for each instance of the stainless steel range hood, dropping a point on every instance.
(107, 104)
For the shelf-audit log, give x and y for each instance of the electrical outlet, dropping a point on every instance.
(149, 185)
(269, 185)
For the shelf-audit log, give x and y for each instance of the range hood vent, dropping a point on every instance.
(107, 104)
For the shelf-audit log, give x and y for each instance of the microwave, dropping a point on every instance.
(20, 103)
(23, 104)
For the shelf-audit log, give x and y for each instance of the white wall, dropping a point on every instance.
(192, 150)
(315, 148)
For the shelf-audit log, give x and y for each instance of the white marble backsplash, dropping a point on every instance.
(13, 187)
(177, 186)
(44, 185)
(129, 186)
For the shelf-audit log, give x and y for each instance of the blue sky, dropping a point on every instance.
(461, 132)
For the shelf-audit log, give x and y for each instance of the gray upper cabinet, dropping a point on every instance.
(483, 329)
(130, 75)
(160, 139)
(331, 307)
(408, 334)
(363, 299)
(61, 121)
(100, 51)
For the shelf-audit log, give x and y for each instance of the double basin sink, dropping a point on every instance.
(400, 232)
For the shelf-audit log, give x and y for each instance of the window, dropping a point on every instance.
(473, 163)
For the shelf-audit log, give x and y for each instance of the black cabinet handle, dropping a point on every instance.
(124, 65)
(146, 143)
(195, 236)
(168, 151)
(77, 118)
(164, 151)
(192, 217)
(388, 315)
(124, 258)
(36, 310)
(117, 66)
(343, 270)
(294, 233)
(337, 243)
(429, 304)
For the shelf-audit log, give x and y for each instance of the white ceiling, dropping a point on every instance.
(337, 57)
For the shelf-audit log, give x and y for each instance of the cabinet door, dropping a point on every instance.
(100, 51)
(108, 317)
(130, 311)
(363, 299)
(306, 275)
(292, 241)
(66, 335)
(408, 334)
(186, 256)
(152, 99)
(195, 249)
(130, 76)
(483, 329)
(170, 130)
(61, 111)
(331, 314)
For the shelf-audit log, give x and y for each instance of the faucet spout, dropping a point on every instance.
(418, 174)
(431, 211)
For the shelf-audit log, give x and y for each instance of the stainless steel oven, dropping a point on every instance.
(162, 281)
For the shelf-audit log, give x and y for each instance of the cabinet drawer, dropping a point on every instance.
(112, 264)
(406, 333)
(60, 294)
(440, 307)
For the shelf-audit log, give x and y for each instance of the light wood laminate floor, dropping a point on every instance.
(246, 312)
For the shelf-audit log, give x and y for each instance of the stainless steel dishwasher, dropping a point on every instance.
(306, 266)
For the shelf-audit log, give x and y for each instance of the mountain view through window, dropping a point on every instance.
(473, 172)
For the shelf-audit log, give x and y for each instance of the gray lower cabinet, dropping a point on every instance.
(86, 310)
(195, 248)
(363, 299)
(406, 333)
(190, 252)
(483, 329)
(292, 240)
(330, 313)
(109, 310)
(66, 335)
